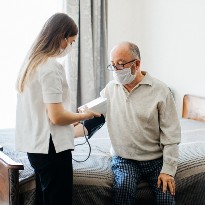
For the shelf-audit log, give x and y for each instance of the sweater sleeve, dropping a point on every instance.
(170, 135)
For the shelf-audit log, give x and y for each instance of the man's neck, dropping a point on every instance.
(137, 80)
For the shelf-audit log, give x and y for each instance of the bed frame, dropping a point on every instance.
(9, 180)
(193, 108)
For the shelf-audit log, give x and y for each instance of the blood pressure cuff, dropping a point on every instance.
(94, 124)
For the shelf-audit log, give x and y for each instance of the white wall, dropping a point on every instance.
(20, 22)
(171, 37)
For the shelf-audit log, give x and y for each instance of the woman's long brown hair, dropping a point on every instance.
(47, 44)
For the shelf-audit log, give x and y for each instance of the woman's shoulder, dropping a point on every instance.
(51, 63)
(50, 66)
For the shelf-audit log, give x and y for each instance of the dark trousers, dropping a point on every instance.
(54, 176)
(128, 174)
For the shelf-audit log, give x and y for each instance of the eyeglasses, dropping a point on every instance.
(119, 66)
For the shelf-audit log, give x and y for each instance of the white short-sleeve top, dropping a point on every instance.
(33, 127)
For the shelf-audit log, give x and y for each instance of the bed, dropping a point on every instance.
(93, 178)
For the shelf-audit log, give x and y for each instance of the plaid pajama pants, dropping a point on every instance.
(127, 175)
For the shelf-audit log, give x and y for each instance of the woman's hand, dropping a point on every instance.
(89, 114)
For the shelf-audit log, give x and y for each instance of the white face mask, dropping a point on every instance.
(64, 52)
(124, 76)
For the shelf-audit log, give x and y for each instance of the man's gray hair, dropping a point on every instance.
(134, 51)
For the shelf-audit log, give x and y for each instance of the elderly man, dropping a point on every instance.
(143, 126)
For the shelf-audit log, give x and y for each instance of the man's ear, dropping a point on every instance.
(137, 63)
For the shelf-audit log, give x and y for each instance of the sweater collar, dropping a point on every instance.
(147, 80)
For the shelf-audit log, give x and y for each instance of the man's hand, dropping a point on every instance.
(165, 181)
(79, 130)
(76, 123)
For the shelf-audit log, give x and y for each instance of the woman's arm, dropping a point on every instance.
(59, 116)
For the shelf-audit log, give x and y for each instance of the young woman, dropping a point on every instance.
(44, 124)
